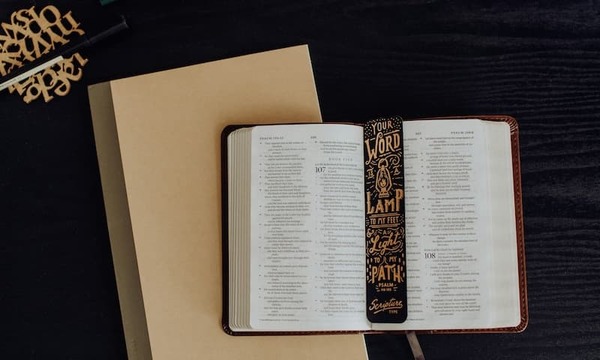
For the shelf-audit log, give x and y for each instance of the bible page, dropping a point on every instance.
(451, 279)
(307, 228)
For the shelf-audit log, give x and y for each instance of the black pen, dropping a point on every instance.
(45, 62)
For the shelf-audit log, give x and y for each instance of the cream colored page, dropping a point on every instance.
(238, 143)
(447, 225)
(505, 275)
(307, 250)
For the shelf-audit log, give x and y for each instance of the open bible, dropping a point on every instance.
(298, 211)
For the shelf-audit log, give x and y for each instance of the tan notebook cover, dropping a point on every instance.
(158, 144)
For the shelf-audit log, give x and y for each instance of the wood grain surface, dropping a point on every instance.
(538, 61)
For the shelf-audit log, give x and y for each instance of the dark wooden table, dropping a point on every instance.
(538, 61)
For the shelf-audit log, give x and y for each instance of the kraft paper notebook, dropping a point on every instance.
(158, 144)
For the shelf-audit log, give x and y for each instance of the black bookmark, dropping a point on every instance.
(385, 222)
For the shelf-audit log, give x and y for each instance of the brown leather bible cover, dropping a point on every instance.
(516, 165)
